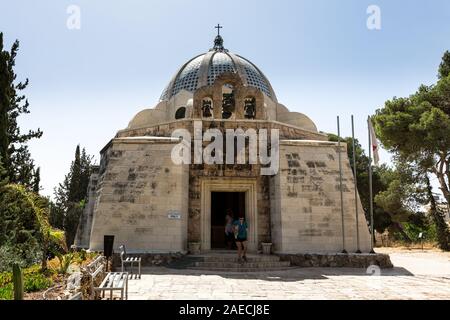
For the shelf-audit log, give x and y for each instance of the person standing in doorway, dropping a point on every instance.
(240, 231)
(229, 229)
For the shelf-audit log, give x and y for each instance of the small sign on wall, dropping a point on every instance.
(174, 215)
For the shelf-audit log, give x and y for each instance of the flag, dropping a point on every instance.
(374, 142)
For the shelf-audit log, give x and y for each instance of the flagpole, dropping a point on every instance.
(356, 187)
(370, 188)
(340, 186)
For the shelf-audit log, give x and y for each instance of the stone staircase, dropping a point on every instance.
(228, 262)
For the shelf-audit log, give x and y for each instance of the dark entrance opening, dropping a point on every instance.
(221, 202)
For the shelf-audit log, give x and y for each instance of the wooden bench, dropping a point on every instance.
(114, 281)
(129, 260)
(96, 270)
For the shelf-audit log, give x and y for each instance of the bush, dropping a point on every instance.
(18, 220)
(419, 223)
(64, 262)
(7, 291)
(24, 255)
(24, 228)
(34, 280)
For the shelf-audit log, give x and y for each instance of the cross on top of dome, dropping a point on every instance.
(218, 41)
(218, 27)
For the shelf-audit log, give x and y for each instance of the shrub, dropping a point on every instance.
(7, 291)
(24, 226)
(34, 280)
(64, 261)
(24, 255)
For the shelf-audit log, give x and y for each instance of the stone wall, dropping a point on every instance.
(83, 235)
(364, 260)
(305, 200)
(165, 129)
(142, 197)
(149, 259)
(298, 209)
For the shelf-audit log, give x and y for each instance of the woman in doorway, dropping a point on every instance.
(240, 231)
(229, 229)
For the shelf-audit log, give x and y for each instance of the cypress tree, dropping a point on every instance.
(37, 180)
(13, 150)
(71, 195)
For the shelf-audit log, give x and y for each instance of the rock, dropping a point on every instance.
(74, 281)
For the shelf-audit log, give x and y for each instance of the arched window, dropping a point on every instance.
(180, 113)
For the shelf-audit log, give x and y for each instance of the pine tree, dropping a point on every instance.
(13, 150)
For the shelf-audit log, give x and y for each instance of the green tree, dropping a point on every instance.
(70, 196)
(444, 67)
(24, 226)
(37, 180)
(416, 129)
(13, 149)
(75, 193)
(3, 175)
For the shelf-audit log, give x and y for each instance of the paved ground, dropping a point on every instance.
(416, 275)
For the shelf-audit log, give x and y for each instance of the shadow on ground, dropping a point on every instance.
(292, 274)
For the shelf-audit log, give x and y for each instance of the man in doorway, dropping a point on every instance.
(240, 231)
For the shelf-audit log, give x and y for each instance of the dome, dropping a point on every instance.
(203, 69)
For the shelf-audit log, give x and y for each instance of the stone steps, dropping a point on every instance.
(241, 269)
(249, 264)
(227, 262)
(233, 258)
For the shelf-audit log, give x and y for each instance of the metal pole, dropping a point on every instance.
(370, 188)
(356, 187)
(340, 186)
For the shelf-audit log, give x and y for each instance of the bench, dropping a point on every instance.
(114, 281)
(96, 271)
(129, 260)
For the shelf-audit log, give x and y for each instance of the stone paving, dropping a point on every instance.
(416, 275)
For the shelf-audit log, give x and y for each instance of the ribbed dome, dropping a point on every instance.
(202, 70)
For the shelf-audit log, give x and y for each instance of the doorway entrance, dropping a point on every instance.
(221, 204)
(246, 186)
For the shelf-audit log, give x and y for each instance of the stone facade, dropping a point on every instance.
(152, 205)
(142, 197)
(306, 208)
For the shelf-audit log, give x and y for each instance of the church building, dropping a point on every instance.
(152, 203)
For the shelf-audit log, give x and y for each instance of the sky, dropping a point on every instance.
(320, 57)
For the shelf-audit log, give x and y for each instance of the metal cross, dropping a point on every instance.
(218, 27)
